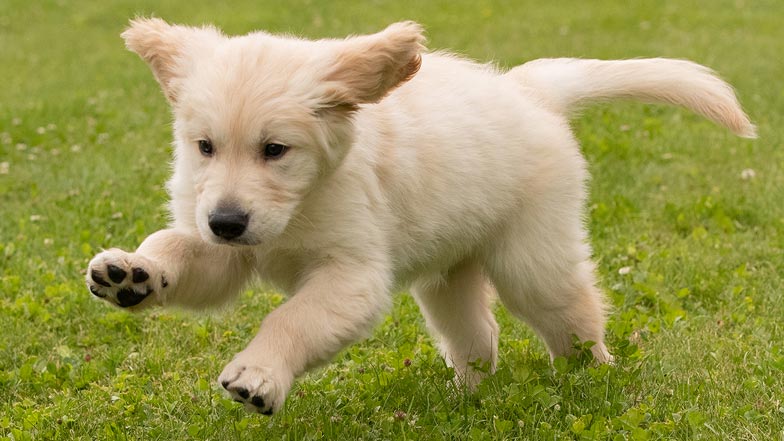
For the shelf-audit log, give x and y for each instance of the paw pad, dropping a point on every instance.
(121, 278)
(255, 387)
(98, 279)
(139, 275)
(116, 274)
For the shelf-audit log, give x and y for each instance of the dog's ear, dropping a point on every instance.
(165, 48)
(368, 67)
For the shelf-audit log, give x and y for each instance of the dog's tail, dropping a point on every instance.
(565, 84)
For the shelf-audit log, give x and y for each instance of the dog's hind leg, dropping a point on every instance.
(543, 274)
(456, 306)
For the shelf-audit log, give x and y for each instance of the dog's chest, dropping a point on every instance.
(281, 268)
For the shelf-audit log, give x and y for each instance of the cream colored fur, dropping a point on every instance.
(405, 169)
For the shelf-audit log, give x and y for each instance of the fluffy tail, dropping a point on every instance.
(566, 83)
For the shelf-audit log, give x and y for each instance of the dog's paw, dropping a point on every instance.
(123, 279)
(261, 389)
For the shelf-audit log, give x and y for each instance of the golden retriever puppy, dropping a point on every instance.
(342, 170)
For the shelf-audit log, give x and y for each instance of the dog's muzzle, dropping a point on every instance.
(228, 222)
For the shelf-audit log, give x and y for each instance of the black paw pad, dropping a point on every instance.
(128, 297)
(267, 412)
(257, 401)
(98, 279)
(243, 392)
(95, 292)
(140, 275)
(116, 274)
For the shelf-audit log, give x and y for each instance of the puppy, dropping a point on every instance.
(342, 170)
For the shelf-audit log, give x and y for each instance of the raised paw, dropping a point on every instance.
(259, 388)
(124, 279)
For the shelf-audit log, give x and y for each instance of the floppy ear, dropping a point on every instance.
(368, 67)
(163, 47)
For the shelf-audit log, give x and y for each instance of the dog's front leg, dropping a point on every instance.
(169, 268)
(337, 304)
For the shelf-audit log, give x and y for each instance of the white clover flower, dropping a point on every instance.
(748, 174)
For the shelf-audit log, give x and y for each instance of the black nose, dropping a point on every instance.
(228, 223)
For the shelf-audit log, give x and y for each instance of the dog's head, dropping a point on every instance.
(260, 119)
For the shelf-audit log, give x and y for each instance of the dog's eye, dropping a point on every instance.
(274, 151)
(205, 147)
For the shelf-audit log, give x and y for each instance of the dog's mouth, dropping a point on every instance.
(238, 242)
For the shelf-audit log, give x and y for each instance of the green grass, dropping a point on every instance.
(696, 327)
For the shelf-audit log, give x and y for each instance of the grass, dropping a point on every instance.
(696, 327)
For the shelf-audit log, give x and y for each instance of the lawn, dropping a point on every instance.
(687, 227)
